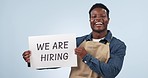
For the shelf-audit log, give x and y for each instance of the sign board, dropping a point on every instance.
(53, 51)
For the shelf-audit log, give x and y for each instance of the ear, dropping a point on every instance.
(89, 20)
(108, 20)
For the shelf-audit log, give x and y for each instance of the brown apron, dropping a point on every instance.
(98, 50)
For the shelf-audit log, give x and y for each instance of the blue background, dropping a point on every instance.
(22, 18)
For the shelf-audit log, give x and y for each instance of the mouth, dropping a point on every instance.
(98, 24)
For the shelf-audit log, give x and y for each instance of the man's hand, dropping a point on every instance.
(80, 51)
(26, 55)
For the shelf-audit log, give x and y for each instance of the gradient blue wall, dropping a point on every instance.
(22, 18)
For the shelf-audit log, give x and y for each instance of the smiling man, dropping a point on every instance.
(100, 55)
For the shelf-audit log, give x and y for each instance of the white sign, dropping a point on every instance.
(53, 51)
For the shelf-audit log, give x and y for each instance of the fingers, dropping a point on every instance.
(26, 55)
(80, 51)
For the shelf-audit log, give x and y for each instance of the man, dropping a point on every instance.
(100, 55)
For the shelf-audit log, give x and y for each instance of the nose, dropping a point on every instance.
(98, 18)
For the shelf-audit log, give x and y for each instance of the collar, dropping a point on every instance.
(108, 37)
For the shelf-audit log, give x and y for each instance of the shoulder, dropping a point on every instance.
(117, 44)
(80, 39)
(117, 41)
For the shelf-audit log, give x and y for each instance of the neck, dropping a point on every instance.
(99, 35)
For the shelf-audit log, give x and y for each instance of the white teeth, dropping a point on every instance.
(100, 23)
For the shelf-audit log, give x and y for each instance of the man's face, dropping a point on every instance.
(99, 20)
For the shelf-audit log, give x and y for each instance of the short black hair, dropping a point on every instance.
(99, 5)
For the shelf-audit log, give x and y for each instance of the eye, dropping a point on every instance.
(93, 16)
(103, 16)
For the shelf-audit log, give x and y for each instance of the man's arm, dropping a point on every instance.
(112, 67)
